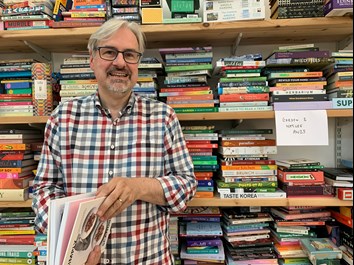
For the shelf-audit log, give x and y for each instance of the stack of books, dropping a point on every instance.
(295, 84)
(186, 86)
(174, 12)
(339, 76)
(80, 14)
(241, 86)
(76, 77)
(246, 171)
(200, 235)
(341, 179)
(27, 15)
(17, 163)
(126, 10)
(302, 177)
(247, 236)
(16, 87)
(281, 9)
(201, 140)
(149, 70)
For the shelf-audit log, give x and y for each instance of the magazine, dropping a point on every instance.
(79, 230)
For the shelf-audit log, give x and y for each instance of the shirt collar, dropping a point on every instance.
(127, 109)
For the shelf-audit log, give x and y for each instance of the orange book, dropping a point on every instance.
(9, 147)
(20, 183)
(204, 194)
(191, 105)
(187, 98)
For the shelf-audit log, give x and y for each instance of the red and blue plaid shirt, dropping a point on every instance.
(84, 148)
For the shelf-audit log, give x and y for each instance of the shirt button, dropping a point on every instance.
(110, 173)
(112, 147)
(115, 123)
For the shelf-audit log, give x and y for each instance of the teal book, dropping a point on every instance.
(320, 249)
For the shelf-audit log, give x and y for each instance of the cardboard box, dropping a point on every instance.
(338, 8)
(230, 10)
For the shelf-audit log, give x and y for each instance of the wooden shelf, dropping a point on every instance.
(245, 115)
(217, 202)
(270, 31)
(304, 201)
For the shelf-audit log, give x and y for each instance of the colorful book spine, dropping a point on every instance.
(42, 96)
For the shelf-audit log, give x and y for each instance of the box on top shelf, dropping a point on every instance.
(229, 10)
(338, 8)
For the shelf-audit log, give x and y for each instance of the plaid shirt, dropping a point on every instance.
(84, 148)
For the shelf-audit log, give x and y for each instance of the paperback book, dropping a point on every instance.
(79, 230)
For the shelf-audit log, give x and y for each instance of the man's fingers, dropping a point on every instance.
(94, 257)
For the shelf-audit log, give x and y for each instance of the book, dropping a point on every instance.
(79, 230)
(18, 251)
(320, 248)
(342, 174)
(20, 183)
(14, 194)
(297, 162)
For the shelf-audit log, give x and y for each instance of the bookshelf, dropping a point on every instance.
(269, 31)
(285, 31)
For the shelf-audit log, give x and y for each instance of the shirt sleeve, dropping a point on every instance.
(179, 183)
(48, 182)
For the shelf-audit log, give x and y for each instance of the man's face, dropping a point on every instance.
(117, 76)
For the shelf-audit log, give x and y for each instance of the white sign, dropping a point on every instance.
(300, 128)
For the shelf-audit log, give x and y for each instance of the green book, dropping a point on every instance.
(179, 68)
(19, 91)
(258, 184)
(243, 132)
(242, 79)
(195, 110)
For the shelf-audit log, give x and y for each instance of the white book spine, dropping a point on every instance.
(245, 173)
(251, 150)
(255, 108)
(79, 86)
(298, 92)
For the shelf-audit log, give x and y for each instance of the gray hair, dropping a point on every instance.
(110, 27)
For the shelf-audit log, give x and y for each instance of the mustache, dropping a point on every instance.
(121, 70)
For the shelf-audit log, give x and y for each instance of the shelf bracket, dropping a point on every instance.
(236, 43)
(345, 43)
(43, 53)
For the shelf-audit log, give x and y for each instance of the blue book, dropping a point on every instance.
(15, 74)
(18, 85)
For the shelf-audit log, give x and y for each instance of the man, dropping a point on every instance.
(128, 148)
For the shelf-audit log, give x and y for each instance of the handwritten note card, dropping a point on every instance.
(300, 128)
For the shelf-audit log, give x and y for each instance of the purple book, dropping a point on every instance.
(304, 105)
(204, 242)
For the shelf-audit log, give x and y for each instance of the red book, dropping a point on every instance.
(235, 143)
(247, 162)
(244, 97)
(17, 239)
(303, 176)
(27, 23)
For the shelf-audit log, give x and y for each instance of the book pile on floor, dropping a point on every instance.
(186, 86)
(247, 236)
(201, 141)
(200, 235)
(296, 79)
(241, 86)
(246, 171)
(302, 177)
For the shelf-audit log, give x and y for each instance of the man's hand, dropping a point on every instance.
(94, 257)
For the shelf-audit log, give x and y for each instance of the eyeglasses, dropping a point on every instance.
(110, 54)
